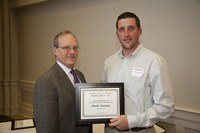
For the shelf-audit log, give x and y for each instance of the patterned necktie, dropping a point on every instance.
(76, 80)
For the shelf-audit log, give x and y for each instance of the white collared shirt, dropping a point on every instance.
(67, 71)
(147, 86)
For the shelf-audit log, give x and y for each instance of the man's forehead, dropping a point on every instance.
(127, 21)
(67, 38)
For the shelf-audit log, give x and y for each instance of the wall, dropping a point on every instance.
(170, 28)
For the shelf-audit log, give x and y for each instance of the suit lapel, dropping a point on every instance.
(64, 79)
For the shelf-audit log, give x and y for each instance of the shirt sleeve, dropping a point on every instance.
(163, 99)
(103, 76)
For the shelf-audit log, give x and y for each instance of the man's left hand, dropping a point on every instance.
(120, 122)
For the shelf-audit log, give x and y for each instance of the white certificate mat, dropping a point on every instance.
(21, 124)
(98, 102)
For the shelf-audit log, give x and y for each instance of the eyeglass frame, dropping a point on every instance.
(69, 48)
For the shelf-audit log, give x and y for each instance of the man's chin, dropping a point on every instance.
(127, 47)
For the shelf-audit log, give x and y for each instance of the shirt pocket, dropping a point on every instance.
(135, 86)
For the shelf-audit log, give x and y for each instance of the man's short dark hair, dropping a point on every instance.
(128, 15)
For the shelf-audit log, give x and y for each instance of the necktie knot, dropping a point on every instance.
(76, 80)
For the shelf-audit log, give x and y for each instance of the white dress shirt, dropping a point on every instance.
(147, 87)
(67, 71)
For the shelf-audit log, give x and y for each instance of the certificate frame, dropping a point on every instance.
(23, 124)
(98, 102)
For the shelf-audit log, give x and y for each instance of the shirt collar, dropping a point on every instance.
(136, 50)
(65, 69)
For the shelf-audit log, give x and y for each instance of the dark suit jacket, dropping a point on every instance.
(54, 102)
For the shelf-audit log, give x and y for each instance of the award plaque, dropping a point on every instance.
(98, 102)
(23, 124)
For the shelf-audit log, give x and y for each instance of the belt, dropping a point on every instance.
(137, 129)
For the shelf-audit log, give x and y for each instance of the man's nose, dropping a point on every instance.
(126, 33)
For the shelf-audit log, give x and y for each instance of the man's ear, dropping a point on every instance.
(140, 31)
(54, 50)
(117, 35)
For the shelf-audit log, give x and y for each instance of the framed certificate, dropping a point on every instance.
(22, 124)
(98, 102)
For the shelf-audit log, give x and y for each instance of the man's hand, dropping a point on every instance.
(120, 122)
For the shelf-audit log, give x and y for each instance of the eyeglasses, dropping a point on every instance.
(69, 48)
